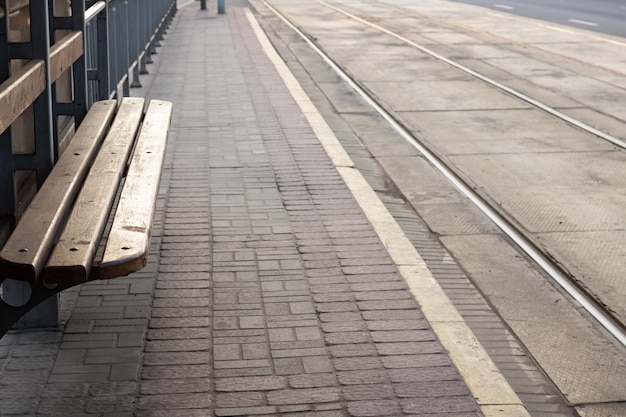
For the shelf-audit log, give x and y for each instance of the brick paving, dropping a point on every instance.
(268, 292)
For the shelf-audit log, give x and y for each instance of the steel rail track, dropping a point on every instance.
(593, 306)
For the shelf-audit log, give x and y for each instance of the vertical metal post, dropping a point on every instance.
(16, 292)
(147, 20)
(113, 52)
(220, 7)
(126, 46)
(134, 42)
(53, 91)
(7, 191)
(202, 4)
(43, 158)
(151, 28)
(104, 84)
(104, 65)
(44, 143)
(79, 69)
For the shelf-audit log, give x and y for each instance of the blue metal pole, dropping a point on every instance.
(7, 191)
(134, 35)
(220, 6)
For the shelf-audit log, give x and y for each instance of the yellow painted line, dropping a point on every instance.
(491, 390)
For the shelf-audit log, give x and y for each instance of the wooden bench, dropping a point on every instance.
(108, 175)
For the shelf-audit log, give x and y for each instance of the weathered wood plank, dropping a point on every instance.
(26, 252)
(129, 239)
(19, 92)
(72, 257)
(64, 53)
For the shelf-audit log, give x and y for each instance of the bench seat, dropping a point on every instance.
(108, 175)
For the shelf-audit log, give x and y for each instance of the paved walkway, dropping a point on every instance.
(269, 291)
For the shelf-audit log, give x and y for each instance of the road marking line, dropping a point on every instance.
(492, 392)
(533, 22)
(504, 6)
(582, 22)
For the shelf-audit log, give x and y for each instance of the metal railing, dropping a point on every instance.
(133, 30)
(50, 75)
(103, 47)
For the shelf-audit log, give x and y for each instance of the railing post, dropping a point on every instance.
(125, 42)
(104, 83)
(220, 7)
(147, 23)
(7, 189)
(134, 40)
(202, 4)
(79, 71)
(113, 53)
(17, 293)
(45, 148)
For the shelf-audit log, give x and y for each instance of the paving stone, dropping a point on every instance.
(262, 383)
(347, 337)
(312, 380)
(446, 404)
(176, 371)
(245, 411)
(171, 385)
(416, 361)
(316, 364)
(240, 399)
(174, 401)
(175, 413)
(176, 358)
(60, 406)
(299, 396)
(373, 408)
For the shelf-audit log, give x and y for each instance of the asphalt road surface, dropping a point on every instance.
(605, 16)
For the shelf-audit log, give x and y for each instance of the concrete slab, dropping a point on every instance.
(377, 135)
(344, 99)
(432, 189)
(442, 95)
(415, 66)
(455, 219)
(602, 410)
(600, 53)
(610, 125)
(501, 131)
(565, 170)
(602, 271)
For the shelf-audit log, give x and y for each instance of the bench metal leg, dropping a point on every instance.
(18, 297)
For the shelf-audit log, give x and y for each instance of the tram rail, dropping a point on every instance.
(524, 241)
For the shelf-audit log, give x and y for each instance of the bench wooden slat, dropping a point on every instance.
(129, 239)
(26, 252)
(64, 53)
(71, 260)
(20, 90)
